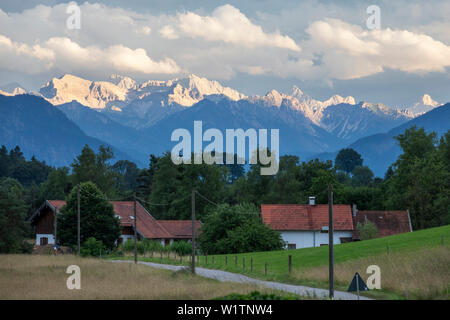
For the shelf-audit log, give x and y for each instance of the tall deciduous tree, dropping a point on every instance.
(347, 160)
(13, 227)
(97, 218)
(420, 180)
(89, 166)
(233, 229)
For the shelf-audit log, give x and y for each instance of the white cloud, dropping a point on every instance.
(168, 32)
(348, 51)
(62, 53)
(145, 30)
(228, 24)
(22, 57)
(224, 41)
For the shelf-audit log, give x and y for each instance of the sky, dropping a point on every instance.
(254, 46)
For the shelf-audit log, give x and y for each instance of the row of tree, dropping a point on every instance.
(419, 181)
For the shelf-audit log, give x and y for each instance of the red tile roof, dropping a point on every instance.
(148, 226)
(387, 222)
(181, 229)
(57, 204)
(305, 217)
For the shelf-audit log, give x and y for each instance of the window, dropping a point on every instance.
(292, 246)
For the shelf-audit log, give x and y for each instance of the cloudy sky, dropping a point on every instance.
(323, 47)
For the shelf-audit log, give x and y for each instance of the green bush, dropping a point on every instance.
(181, 247)
(142, 246)
(368, 230)
(152, 245)
(92, 247)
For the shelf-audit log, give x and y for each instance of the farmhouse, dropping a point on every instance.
(165, 231)
(387, 222)
(306, 225)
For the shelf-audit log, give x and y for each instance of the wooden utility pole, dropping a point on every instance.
(78, 218)
(135, 229)
(330, 240)
(193, 231)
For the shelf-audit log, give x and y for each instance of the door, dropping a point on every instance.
(43, 241)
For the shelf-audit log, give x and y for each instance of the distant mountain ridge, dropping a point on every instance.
(138, 118)
(42, 130)
(379, 151)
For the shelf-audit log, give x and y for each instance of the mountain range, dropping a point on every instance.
(137, 118)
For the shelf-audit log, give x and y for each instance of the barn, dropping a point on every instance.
(387, 222)
(306, 225)
(165, 231)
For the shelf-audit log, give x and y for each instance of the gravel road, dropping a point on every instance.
(225, 276)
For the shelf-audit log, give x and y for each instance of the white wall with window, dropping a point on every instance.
(308, 239)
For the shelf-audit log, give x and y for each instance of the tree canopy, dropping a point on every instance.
(235, 229)
(347, 160)
(97, 218)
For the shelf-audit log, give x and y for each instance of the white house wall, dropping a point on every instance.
(50, 238)
(307, 239)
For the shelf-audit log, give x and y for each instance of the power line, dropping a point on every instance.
(212, 202)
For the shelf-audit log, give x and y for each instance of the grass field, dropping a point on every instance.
(44, 277)
(413, 265)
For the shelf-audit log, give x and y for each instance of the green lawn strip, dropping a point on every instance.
(277, 261)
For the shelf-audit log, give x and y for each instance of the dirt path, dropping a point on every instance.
(225, 276)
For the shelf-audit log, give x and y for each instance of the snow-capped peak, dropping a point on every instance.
(89, 93)
(428, 101)
(12, 89)
(297, 93)
(337, 99)
(122, 81)
(423, 105)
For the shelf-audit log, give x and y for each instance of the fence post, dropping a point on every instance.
(290, 264)
(161, 254)
(265, 268)
(226, 260)
(206, 259)
(181, 258)
(145, 250)
(235, 261)
(175, 255)
(243, 263)
(213, 260)
(251, 264)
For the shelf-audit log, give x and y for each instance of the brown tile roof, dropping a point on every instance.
(387, 222)
(181, 229)
(305, 217)
(148, 226)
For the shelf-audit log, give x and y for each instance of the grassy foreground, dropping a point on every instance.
(44, 277)
(414, 265)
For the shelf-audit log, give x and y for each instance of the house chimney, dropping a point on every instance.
(312, 201)
(354, 210)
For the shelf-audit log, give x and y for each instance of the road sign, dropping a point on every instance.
(357, 284)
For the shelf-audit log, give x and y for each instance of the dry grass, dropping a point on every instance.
(44, 277)
(423, 274)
